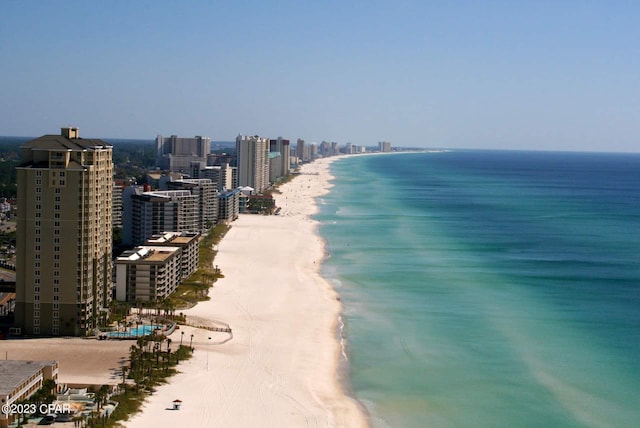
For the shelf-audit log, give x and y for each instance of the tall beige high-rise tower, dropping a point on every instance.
(253, 162)
(63, 260)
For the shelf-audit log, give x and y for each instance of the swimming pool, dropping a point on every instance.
(138, 331)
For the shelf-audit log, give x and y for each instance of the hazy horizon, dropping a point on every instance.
(491, 75)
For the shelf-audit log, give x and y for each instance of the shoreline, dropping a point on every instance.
(285, 364)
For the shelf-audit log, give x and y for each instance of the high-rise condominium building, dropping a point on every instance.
(156, 212)
(253, 162)
(279, 158)
(384, 146)
(205, 190)
(63, 270)
(300, 150)
(177, 153)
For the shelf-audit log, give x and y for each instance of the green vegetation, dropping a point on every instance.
(280, 182)
(195, 288)
(261, 204)
(152, 362)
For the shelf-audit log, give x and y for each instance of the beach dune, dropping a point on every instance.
(280, 368)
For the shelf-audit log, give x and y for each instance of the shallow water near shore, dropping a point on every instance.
(489, 288)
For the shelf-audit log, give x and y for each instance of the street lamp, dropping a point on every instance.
(181, 336)
(191, 343)
(208, 355)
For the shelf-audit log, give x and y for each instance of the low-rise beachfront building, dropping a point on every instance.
(187, 241)
(148, 273)
(19, 380)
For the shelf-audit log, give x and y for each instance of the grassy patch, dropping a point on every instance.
(196, 288)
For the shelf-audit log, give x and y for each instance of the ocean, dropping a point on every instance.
(489, 288)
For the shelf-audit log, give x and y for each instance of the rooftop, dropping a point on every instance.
(15, 372)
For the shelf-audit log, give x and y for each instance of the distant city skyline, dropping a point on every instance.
(494, 75)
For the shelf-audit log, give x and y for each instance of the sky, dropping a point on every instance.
(550, 75)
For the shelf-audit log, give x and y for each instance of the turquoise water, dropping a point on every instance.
(489, 289)
(141, 330)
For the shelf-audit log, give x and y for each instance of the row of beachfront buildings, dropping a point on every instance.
(68, 206)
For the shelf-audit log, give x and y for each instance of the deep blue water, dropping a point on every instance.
(489, 288)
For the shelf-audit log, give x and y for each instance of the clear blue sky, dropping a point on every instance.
(475, 74)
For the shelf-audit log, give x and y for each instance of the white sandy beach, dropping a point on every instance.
(280, 369)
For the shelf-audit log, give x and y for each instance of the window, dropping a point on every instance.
(56, 306)
(36, 321)
(56, 322)
(56, 289)
(36, 314)
(54, 330)
(57, 191)
(36, 330)
(56, 298)
(36, 306)
(56, 314)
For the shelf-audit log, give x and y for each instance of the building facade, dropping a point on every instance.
(384, 146)
(279, 159)
(64, 240)
(253, 162)
(229, 206)
(187, 241)
(207, 195)
(225, 176)
(155, 212)
(148, 273)
(177, 153)
(116, 205)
